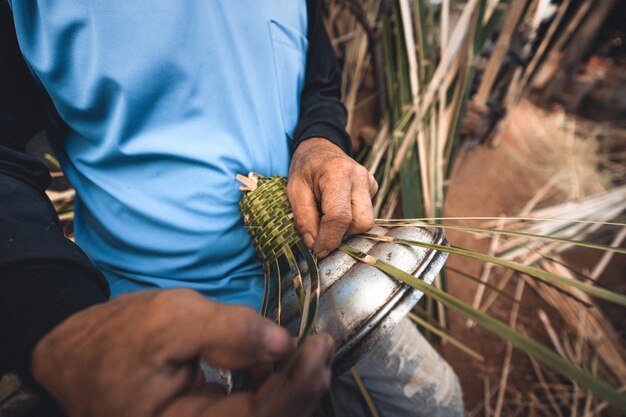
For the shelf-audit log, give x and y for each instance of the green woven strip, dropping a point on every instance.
(268, 217)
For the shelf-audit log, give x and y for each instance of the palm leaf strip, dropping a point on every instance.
(528, 270)
(538, 351)
(486, 230)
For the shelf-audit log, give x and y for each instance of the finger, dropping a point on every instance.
(337, 213)
(294, 396)
(245, 339)
(231, 337)
(362, 210)
(305, 213)
(299, 394)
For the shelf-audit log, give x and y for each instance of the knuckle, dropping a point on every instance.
(171, 305)
(339, 218)
(345, 166)
(361, 171)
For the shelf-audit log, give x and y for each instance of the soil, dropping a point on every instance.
(486, 182)
(493, 182)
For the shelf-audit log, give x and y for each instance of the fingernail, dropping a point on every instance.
(330, 356)
(308, 240)
(322, 254)
(330, 348)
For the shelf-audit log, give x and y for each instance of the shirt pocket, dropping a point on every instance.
(289, 47)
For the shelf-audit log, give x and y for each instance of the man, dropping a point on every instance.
(154, 109)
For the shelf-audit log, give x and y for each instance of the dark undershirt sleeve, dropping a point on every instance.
(22, 112)
(322, 114)
(44, 277)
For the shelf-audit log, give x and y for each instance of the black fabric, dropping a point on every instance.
(24, 168)
(22, 109)
(322, 114)
(44, 277)
(31, 231)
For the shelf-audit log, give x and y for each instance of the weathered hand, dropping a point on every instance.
(137, 355)
(321, 172)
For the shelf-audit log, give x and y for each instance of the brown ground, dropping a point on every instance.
(494, 182)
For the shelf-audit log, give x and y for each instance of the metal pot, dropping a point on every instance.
(360, 304)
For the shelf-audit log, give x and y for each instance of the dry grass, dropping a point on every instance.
(569, 160)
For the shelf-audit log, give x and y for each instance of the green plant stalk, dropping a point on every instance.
(536, 350)
(385, 184)
(403, 64)
(528, 270)
(389, 70)
(423, 59)
(410, 179)
(459, 101)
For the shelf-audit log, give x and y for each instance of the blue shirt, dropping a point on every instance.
(163, 104)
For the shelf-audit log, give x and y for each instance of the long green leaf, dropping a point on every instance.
(538, 219)
(537, 350)
(529, 270)
(580, 243)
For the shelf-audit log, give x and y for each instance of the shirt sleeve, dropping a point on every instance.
(44, 277)
(322, 114)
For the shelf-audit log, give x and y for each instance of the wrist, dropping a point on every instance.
(318, 141)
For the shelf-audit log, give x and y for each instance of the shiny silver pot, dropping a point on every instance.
(360, 304)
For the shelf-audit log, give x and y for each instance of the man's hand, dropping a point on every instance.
(137, 355)
(321, 173)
